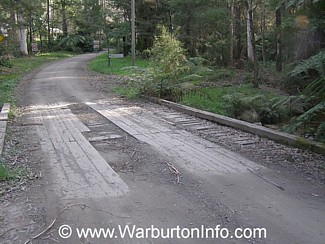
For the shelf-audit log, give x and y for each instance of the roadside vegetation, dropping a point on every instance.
(117, 65)
(8, 174)
(167, 72)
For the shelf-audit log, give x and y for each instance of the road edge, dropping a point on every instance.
(4, 115)
(278, 136)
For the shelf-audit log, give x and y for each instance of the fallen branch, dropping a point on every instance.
(174, 171)
(261, 176)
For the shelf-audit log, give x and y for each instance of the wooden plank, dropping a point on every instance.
(5, 108)
(79, 160)
(196, 153)
(3, 116)
(69, 115)
(3, 127)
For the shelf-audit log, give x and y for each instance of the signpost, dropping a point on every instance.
(114, 55)
(117, 55)
(34, 47)
(96, 46)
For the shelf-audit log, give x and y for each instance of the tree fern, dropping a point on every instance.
(305, 118)
(306, 67)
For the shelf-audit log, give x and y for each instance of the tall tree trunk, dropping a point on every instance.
(30, 34)
(22, 35)
(170, 20)
(263, 27)
(278, 22)
(238, 31)
(251, 46)
(48, 17)
(41, 39)
(232, 33)
(250, 53)
(64, 18)
(125, 49)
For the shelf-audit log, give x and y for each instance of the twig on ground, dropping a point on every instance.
(17, 156)
(174, 171)
(82, 206)
(52, 223)
(134, 151)
(264, 178)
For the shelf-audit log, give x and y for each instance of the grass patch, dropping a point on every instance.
(100, 64)
(211, 99)
(8, 174)
(20, 66)
(127, 91)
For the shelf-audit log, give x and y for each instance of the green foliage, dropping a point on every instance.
(313, 69)
(207, 99)
(90, 17)
(127, 91)
(314, 63)
(246, 103)
(320, 133)
(118, 66)
(261, 108)
(221, 74)
(6, 173)
(204, 28)
(168, 56)
(168, 70)
(7, 86)
(76, 43)
(235, 101)
(5, 62)
(302, 120)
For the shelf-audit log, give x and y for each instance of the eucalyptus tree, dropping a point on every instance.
(18, 17)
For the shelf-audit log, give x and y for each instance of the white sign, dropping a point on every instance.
(118, 55)
(96, 44)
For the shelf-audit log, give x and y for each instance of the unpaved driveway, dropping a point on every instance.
(109, 163)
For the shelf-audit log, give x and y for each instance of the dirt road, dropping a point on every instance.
(104, 162)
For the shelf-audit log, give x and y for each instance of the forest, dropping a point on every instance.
(195, 47)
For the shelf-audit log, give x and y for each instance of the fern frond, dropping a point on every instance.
(316, 62)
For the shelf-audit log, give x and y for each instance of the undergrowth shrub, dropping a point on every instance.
(312, 72)
(261, 108)
(5, 62)
(170, 71)
(75, 43)
(310, 121)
